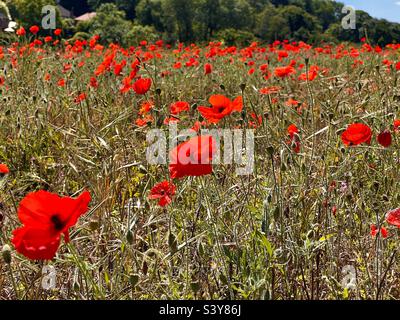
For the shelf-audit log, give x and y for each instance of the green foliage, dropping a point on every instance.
(110, 24)
(139, 33)
(199, 20)
(29, 12)
(235, 37)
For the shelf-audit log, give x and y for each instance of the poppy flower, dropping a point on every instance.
(221, 107)
(164, 191)
(282, 72)
(385, 139)
(393, 217)
(292, 102)
(294, 142)
(57, 32)
(375, 231)
(144, 121)
(45, 217)
(4, 169)
(21, 32)
(93, 82)
(146, 107)
(34, 29)
(357, 134)
(270, 90)
(80, 98)
(396, 125)
(207, 68)
(193, 157)
(142, 86)
(178, 107)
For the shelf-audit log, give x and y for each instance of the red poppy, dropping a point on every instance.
(146, 107)
(164, 191)
(294, 142)
(207, 68)
(142, 86)
(221, 107)
(270, 90)
(21, 32)
(375, 231)
(356, 134)
(57, 32)
(396, 125)
(193, 157)
(80, 98)
(282, 72)
(385, 139)
(4, 169)
(178, 107)
(144, 121)
(292, 102)
(393, 217)
(34, 29)
(292, 130)
(93, 82)
(45, 217)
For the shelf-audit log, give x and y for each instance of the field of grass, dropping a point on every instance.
(71, 121)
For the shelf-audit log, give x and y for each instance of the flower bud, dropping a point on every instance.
(6, 253)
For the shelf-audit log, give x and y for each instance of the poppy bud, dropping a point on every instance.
(158, 91)
(172, 242)
(243, 86)
(134, 279)
(222, 87)
(195, 286)
(385, 139)
(6, 253)
(270, 150)
(129, 237)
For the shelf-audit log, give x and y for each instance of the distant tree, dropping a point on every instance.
(208, 16)
(300, 23)
(236, 14)
(271, 25)
(78, 7)
(110, 24)
(182, 12)
(139, 33)
(280, 2)
(128, 6)
(29, 13)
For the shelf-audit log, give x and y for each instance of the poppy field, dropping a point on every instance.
(315, 218)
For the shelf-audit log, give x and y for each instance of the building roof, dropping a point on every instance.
(65, 13)
(87, 16)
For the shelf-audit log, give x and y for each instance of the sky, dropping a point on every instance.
(387, 9)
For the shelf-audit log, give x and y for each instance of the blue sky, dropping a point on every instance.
(388, 9)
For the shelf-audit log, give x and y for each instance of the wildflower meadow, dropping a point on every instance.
(198, 171)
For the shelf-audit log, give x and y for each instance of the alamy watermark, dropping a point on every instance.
(237, 144)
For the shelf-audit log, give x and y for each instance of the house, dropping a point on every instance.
(85, 17)
(65, 13)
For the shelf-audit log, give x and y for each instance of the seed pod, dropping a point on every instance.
(6, 253)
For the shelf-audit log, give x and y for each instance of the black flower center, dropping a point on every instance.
(57, 223)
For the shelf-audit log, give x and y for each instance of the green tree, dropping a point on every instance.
(28, 13)
(150, 13)
(110, 24)
(208, 16)
(182, 13)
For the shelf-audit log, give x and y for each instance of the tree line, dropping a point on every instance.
(234, 21)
